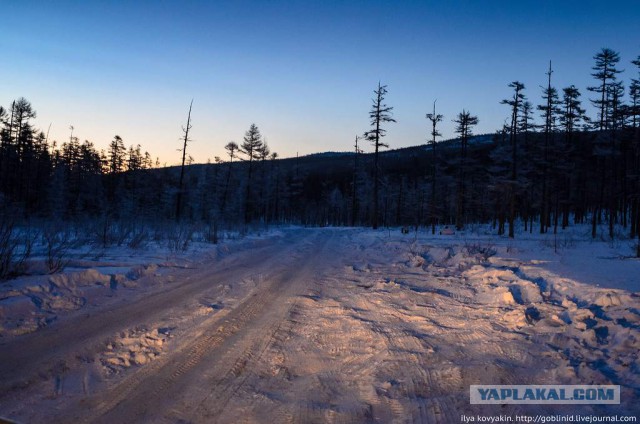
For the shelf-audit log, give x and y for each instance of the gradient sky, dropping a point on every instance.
(303, 71)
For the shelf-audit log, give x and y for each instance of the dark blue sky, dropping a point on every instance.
(302, 71)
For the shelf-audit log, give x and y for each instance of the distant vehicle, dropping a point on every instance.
(447, 231)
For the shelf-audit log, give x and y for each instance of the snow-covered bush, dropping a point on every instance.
(179, 237)
(211, 233)
(57, 240)
(564, 240)
(15, 248)
(484, 251)
(138, 238)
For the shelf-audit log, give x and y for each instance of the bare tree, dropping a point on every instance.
(434, 118)
(354, 194)
(186, 139)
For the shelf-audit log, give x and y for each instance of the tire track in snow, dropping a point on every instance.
(27, 358)
(134, 400)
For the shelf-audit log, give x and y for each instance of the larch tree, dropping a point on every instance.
(619, 145)
(634, 94)
(434, 118)
(134, 158)
(550, 110)
(251, 147)
(464, 128)
(527, 125)
(380, 114)
(115, 154)
(232, 149)
(515, 103)
(572, 117)
(263, 154)
(3, 141)
(275, 176)
(115, 164)
(605, 73)
(17, 146)
(571, 112)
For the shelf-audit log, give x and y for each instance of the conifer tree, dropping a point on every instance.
(515, 103)
(464, 125)
(605, 73)
(549, 111)
(380, 114)
(232, 149)
(251, 146)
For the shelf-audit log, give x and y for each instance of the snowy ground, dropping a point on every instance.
(321, 325)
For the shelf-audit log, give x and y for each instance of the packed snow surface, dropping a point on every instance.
(321, 325)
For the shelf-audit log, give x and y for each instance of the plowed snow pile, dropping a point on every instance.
(332, 325)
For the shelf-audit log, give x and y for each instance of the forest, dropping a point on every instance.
(550, 166)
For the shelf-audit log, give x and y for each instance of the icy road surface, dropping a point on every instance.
(314, 325)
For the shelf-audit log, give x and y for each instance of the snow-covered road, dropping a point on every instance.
(325, 325)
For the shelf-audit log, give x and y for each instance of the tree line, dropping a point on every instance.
(543, 173)
(40, 178)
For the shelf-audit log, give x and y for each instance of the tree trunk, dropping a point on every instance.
(184, 155)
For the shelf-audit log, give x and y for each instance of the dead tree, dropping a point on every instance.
(186, 139)
(434, 118)
(354, 194)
